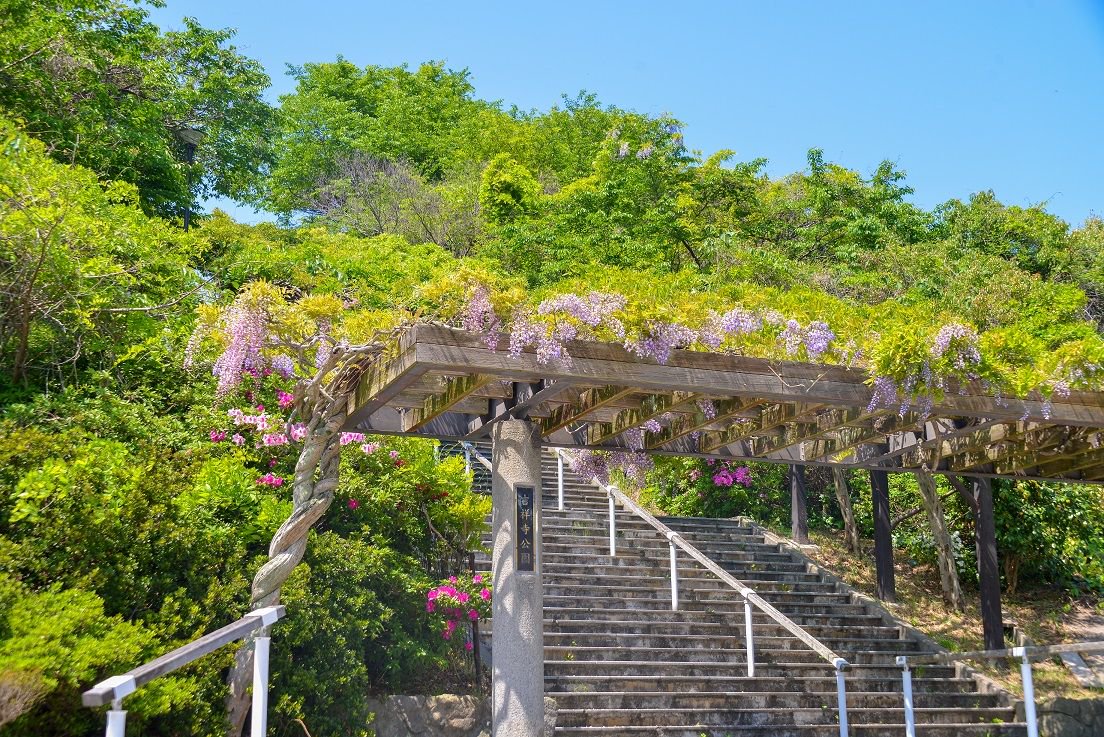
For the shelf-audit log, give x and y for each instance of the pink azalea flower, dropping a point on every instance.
(463, 597)
(217, 436)
(468, 646)
(369, 448)
(238, 439)
(486, 594)
(353, 504)
(477, 578)
(473, 615)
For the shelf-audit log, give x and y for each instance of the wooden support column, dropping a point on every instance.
(799, 516)
(883, 537)
(988, 572)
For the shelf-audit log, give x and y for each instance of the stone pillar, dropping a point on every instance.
(517, 639)
(886, 587)
(799, 516)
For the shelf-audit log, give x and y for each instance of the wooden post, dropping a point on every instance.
(988, 572)
(799, 516)
(883, 537)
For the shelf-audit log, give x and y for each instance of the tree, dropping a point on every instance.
(101, 86)
(340, 113)
(80, 265)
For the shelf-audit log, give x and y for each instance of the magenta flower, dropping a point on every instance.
(238, 439)
(284, 399)
(468, 646)
(351, 437)
(463, 597)
(217, 436)
(477, 578)
(473, 615)
(353, 504)
(369, 448)
(432, 594)
(486, 594)
(723, 478)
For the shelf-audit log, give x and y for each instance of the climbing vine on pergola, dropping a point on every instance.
(601, 372)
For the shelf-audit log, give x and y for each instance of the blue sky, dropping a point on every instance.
(963, 96)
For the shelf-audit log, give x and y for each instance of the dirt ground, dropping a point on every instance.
(1045, 614)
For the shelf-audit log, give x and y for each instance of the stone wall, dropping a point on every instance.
(441, 716)
(1068, 717)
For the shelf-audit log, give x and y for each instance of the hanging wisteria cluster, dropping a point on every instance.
(953, 352)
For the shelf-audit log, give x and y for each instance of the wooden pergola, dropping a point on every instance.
(444, 383)
(438, 382)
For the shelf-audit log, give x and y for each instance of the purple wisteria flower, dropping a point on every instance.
(479, 317)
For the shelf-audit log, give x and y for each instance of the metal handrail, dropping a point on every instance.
(1024, 653)
(470, 451)
(113, 690)
(748, 594)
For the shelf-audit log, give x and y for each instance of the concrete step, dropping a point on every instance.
(688, 642)
(773, 699)
(791, 652)
(597, 684)
(657, 669)
(709, 631)
(785, 716)
(825, 730)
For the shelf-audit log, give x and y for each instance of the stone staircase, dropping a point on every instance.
(618, 661)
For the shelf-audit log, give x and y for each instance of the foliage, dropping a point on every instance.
(104, 88)
(82, 269)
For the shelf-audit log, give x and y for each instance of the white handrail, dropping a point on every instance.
(1025, 654)
(470, 451)
(114, 689)
(749, 595)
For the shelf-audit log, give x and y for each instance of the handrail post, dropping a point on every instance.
(750, 637)
(559, 480)
(613, 523)
(1029, 692)
(906, 687)
(116, 720)
(260, 687)
(467, 458)
(674, 572)
(841, 694)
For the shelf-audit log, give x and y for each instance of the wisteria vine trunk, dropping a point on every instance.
(323, 402)
(316, 477)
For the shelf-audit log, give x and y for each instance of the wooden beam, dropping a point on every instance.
(853, 436)
(1020, 444)
(387, 378)
(931, 457)
(589, 400)
(458, 389)
(770, 417)
(697, 420)
(651, 407)
(729, 375)
(827, 421)
(1067, 464)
